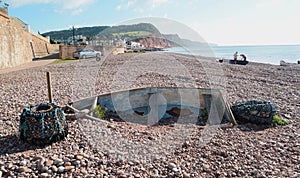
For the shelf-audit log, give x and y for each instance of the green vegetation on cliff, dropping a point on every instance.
(85, 31)
(132, 34)
(106, 32)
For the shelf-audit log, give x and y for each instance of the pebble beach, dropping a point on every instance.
(246, 150)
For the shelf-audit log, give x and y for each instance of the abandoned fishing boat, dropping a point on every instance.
(150, 106)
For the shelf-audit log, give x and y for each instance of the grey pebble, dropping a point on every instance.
(58, 162)
(172, 165)
(44, 169)
(23, 163)
(61, 169)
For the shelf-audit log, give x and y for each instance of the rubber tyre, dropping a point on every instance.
(254, 111)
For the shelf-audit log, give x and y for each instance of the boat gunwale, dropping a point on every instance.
(207, 91)
(218, 91)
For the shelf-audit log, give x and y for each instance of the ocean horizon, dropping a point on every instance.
(268, 54)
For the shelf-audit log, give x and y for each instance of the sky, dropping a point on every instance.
(224, 22)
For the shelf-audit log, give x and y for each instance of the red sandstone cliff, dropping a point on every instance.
(156, 42)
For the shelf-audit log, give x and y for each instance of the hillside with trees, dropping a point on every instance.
(107, 32)
(144, 33)
(85, 31)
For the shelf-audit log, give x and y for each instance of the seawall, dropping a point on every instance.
(18, 45)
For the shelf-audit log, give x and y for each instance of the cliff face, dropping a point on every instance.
(156, 42)
(174, 38)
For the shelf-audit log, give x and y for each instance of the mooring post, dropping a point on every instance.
(49, 87)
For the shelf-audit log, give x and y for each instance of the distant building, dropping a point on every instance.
(133, 46)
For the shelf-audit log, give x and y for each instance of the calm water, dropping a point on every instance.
(271, 54)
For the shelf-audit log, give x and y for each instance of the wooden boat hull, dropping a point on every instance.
(149, 105)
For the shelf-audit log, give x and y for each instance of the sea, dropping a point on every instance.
(269, 54)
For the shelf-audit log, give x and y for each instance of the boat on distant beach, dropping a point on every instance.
(240, 62)
(283, 63)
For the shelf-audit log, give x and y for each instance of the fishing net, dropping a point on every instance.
(254, 111)
(43, 124)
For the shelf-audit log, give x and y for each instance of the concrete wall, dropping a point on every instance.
(3, 11)
(18, 46)
(66, 51)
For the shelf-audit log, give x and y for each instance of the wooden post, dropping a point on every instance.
(49, 87)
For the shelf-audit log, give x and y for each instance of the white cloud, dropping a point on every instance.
(138, 5)
(131, 3)
(127, 5)
(269, 3)
(74, 4)
(119, 7)
(77, 11)
(139, 10)
(18, 3)
(157, 3)
(61, 4)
